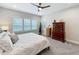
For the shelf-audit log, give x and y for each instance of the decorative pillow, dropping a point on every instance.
(6, 44)
(14, 38)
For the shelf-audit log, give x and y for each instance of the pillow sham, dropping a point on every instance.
(6, 44)
(2, 34)
(1, 30)
(1, 51)
(7, 38)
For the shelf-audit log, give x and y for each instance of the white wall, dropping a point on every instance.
(6, 16)
(71, 18)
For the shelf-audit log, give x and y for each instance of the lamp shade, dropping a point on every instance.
(4, 27)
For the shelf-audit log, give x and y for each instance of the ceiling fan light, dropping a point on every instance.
(39, 9)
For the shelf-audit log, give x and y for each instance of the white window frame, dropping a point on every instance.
(23, 26)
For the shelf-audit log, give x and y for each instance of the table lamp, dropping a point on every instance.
(5, 28)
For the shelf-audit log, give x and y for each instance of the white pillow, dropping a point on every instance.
(1, 30)
(6, 44)
(2, 34)
(1, 51)
(7, 38)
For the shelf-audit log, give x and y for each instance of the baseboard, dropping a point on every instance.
(73, 41)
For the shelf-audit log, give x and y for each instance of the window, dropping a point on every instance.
(24, 25)
(34, 24)
(17, 24)
(27, 25)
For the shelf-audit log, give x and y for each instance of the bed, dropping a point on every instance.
(29, 44)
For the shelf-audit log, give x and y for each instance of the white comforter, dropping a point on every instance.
(29, 44)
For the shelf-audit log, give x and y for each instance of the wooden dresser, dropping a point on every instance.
(58, 32)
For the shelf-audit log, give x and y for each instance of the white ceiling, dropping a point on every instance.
(29, 8)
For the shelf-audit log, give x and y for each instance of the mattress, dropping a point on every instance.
(29, 44)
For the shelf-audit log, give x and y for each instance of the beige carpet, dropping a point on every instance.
(59, 48)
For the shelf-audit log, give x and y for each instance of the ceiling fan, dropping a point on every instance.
(39, 6)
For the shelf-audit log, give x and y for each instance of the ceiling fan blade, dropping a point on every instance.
(35, 5)
(45, 6)
(39, 6)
